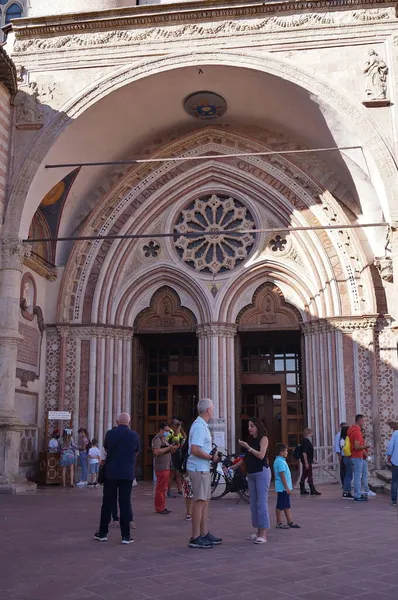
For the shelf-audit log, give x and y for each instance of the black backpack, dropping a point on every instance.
(298, 452)
(183, 457)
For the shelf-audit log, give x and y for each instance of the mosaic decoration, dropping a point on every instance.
(221, 251)
(205, 105)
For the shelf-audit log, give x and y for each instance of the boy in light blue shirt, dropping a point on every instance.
(284, 488)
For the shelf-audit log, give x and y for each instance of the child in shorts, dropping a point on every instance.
(284, 488)
(94, 457)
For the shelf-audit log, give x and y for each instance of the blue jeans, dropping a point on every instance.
(83, 463)
(258, 488)
(394, 483)
(364, 480)
(357, 466)
(348, 474)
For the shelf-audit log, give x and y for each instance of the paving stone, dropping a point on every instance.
(51, 535)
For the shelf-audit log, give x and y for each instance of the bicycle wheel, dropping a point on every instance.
(219, 486)
(244, 495)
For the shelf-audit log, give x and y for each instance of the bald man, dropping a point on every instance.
(122, 446)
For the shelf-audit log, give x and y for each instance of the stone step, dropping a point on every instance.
(385, 475)
(376, 484)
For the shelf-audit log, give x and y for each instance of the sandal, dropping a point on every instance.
(292, 525)
(133, 525)
(252, 537)
(260, 540)
(282, 526)
(188, 518)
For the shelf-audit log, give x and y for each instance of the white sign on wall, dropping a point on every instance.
(59, 415)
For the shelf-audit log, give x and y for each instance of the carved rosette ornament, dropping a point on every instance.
(221, 251)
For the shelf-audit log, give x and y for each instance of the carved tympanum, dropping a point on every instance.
(165, 314)
(268, 310)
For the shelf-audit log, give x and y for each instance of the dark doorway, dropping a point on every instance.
(272, 388)
(171, 379)
(265, 402)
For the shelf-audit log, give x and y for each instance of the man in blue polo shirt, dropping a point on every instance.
(198, 467)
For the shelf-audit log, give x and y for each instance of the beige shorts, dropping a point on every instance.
(201, 485)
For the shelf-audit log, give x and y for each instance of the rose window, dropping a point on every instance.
(219, 251)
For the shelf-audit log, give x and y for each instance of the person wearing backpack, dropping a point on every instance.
(345, 446)
(357, 453)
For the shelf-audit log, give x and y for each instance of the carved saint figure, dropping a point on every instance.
(28, 107)
(28, 296)
(376, 72)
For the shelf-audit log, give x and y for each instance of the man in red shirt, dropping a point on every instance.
(357, 452)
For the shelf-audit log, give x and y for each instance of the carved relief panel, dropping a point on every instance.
(165, 314)
(268, 310)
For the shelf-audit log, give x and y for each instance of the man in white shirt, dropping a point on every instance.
(198, 467)
(337, 449)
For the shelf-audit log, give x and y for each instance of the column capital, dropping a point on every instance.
(12, 253)
(345, 323)
(206, 330)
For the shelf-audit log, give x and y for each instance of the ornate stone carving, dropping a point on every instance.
(278, 243)
(216, 330)
(26, 376)
(268, 310)
(165, 314)
(28, 108)
(13, 253)
(214, 22)
(385, 267)
(219, 252)
(151, 249)
(28, 296)
(376, 72)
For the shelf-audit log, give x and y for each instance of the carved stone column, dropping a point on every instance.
(217, 377)
(324, 388)
(12, 253)
(392, 270)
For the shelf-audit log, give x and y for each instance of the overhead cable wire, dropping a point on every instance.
(195, 234)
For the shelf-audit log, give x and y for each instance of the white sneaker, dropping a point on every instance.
(370, 493)
(81, 483)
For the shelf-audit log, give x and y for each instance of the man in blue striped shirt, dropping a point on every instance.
(392, 458)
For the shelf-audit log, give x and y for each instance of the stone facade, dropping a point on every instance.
(286, 88)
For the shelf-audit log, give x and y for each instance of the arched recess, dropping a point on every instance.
(165, 315)
(270, 372)
(165, 363)
(378, 152)
(146, 198)
(268, 311)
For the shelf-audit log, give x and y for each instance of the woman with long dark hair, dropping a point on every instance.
(258, 477)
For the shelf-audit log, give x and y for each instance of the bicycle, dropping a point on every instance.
(223, 481)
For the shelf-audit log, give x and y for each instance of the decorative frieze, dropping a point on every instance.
(214, 22)
(208, 330)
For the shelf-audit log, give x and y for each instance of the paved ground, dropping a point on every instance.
(344, 550)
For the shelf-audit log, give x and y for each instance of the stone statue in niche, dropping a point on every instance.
(28, 296)
(29, 109)
(376, 72)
